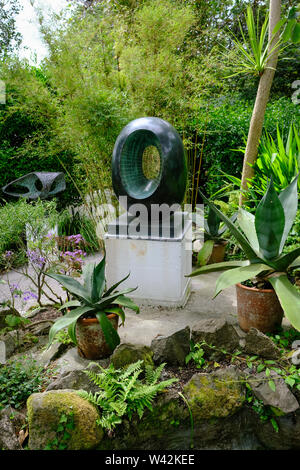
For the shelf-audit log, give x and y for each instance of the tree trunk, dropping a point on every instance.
(262, 98)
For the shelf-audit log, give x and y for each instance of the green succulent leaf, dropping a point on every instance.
(72, 331)
(250, 253)
(112, 288)
(237, 275)
(289, 200)
(111, 336)
(288, 260)
(118, 311)
(67, 320)
(218, 267)
(126, 302)
(106, 301)
(73, 286)
(269, 223)
(205, 252)
(213, 222)
(71, 303)
(289, 298)
(246, 221)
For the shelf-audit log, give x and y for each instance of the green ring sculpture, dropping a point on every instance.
(167, 184)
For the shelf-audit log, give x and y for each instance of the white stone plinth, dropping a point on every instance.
(157, 265)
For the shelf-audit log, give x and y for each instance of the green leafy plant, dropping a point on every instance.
(262, 240)
(122, 393)
(197, 355)
(65, 425)
(254, 52)
(93, 299)
(213, 230)
(19, 379)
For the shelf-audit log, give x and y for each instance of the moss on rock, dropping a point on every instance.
(215, 395)
(45, 411)
(127, 353)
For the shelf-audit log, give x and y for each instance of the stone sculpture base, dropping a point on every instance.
(157, 264)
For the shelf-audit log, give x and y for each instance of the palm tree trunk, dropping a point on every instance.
(262, 98)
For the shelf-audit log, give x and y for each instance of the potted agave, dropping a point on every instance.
(94, 311)
(213, 249)
(262, 237)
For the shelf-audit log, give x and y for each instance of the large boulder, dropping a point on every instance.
(216, 332)
(75, 380)
(45, 411)
(172, 349)
(256, 342)
(127, 353)
(215, 395)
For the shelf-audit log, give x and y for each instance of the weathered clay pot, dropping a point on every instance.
(258, 308)
(91, 342)
(218, 252)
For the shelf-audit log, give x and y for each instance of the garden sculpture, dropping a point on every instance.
(38, 184)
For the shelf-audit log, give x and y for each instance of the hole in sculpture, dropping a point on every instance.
(151, 162)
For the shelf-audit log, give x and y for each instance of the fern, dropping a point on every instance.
(122, 393)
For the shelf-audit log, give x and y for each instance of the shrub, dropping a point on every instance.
(18, 380)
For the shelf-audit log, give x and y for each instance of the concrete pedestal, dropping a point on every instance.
(157, 264)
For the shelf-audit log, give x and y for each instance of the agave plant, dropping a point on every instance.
(91, 298)
(214, 229)
(262, 237)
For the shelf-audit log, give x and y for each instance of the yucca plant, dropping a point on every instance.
(253, 53)
(278, 160)
(91, 298)
(262, 238)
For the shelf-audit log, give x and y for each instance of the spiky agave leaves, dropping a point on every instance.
(262, 238)
(92, 298)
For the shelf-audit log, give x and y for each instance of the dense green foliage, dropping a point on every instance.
(10, 38)
(18, 380)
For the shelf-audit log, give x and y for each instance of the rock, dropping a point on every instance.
(287, 437)
(40, 328)
(45, 411)
(172, 349)
(10, 344)
(282, 398)
(75, 380)
(53, 352)
(127, 353)
(72, 361)
(215, 395)
(10, 424)
(216, 332)
(259, 344)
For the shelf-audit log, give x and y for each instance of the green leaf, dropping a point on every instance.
(72, 286)
(67, 320)
(289, 298)
(71, 303)
(118, 311)
(295, 36)
(269, 223)
(112, 288)
(260, 368)
(111, 336)
(238, 275)
(126, 302)
(205, 252)
(272, 385)
(291, 259)
(106, 301)
(250, 253)
(218, 267)
(213, 222)
(246, 221)
(72, 332)
(289, 200)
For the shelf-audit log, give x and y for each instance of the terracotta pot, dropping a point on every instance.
(258, 308)
(91, 342)
(218, 252)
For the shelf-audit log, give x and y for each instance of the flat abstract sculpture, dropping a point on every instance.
(149, 164)
(38, 184)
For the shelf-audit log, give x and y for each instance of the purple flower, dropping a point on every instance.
(27, 295)
(35, 257)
